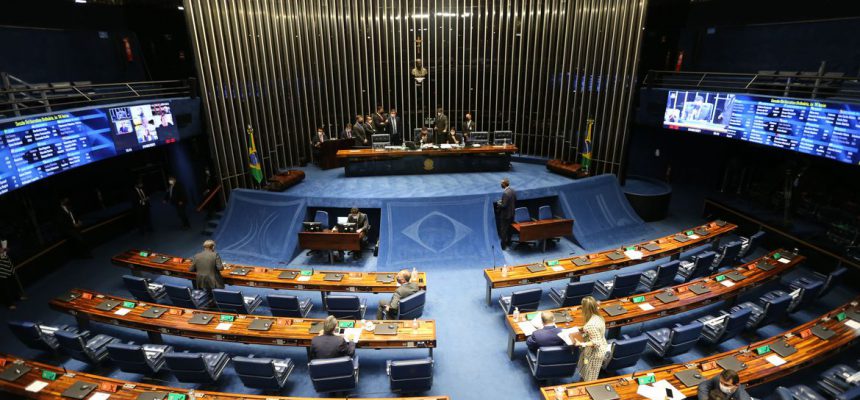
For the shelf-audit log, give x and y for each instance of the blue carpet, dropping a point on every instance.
(470, 361)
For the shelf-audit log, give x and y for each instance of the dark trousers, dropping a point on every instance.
(505, 231)
(9, 291)
(143, 218)
(182, 213)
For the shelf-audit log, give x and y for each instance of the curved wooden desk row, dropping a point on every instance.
(648, 306)
(281, 331)
(607, 260)
(117, 389)
(756, 369)
(276, 278)
(393, 153)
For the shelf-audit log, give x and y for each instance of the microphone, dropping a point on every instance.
(494, 256)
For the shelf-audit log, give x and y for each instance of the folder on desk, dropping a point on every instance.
(651, 247)
(384, 278)
(731, 362)
(720, 222)
(736, 276)
(681, 238)
(782, 348)
(79, 390)
(240, 271)
(667, 297)
(600, 392)
(699, 288)
(288, 275)
(536, 268)
(822, 332)
(615, 256)
(152, 396)
(153, 312)
(107, 305)
(260, 325)
(690, 377)
(765, 266)
(580, 261)
(386, 329)
(200, 319)
(333, 277)
(614, 310)
(853, 313)
(14, 371)
(562, 317)
(316, 327)
(68, 297)
(702, 232)
(160, 259)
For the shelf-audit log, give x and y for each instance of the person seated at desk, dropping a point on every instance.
(725, 386)
(425, 137)
(362, 226)
(317, 140)
(329, 344)
(454, 137)
(546, 336)
(406, 287)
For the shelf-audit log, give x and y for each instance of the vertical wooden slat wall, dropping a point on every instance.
(539, 68)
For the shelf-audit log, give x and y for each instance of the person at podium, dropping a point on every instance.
(425, 137)
(362, 227)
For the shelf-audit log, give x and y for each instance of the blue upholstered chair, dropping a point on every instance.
(147, 359)
(184, 296)
(828, 280)
(412, 306)
(81, 346)
(625, 352)
(727, 254)
(334, 374)
(666, 342)
(552, 362)
(699, 265)
(521, 214)
(526, 300)
(718, 329)
(663, 276)
(621, 285)
(143, 289)
(234, 302)
(410, 376)
(322, 217)
(802, 294)
(37, 336)
(572, 294)
(751, 243)
(203, 368)
(283, 305)
(770, 309)
(346, 306)
(798, 392)
(833, 381)
(263, 373)
(545, 212)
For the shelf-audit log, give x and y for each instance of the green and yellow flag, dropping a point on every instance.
(253, 161)
(586, 149)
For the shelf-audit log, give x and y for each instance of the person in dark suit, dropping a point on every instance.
(425, 137)
(505, 207)
(358, 131)
(346, 133)
(468, 127)
(362, 227)
(380, 120)
(141, 207)
(388, 309)
(369, 129)
(70, 226)
(209, 185)
(175, 196)
(395, 128)
(454, 137)
(329, 344)
(207, 264)
(726, 386)
(441, 126)
(546, 336)
(317, 140)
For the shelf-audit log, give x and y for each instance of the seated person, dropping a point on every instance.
(454, 137)
(362, 226)
(407, 287)
(425, 137)
(725, 386)
(546, 336)
(329, 344)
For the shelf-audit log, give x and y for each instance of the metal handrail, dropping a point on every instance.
(809, 86)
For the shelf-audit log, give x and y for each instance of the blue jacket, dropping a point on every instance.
(544, 337)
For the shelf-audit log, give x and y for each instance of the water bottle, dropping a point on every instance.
(415, 323)
(505, 271)
(516, 314)
(559, 393)
(414, 275)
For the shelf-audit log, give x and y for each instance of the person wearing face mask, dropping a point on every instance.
(505, 208)
(175, 196)
(140, 205)
(441, 126)
(727, 386)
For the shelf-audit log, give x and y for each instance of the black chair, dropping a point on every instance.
(834, 381)
(80, 346)
(572, 294)
(346, 306)
(728, 254)
(288, 306)
(412, 306)
(663, 276)
(666, 342)
(203, 368)
(147, 359)
(699, 265)
(410, 376)
(332, 375)
(625, 352)
(36, 335)
(771, 309)
(726, 326)
(525, 300)
(143, 289)
(621, 285)
(798, 392)
(233, 301)
(263, 373)
(183, 296)
(828, 280)
(751, 243)
(552, 362)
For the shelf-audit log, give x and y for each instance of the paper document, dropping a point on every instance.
(304, 278)
(694, 237)
(99, 396)
(122, 311)
(224, 326)
(36, 386)
(852, 324)
(565, 335)
(558, 268)
(657, 391)
(352, 334)
(727, 283)
(775, 360)
(526, 327)
(633, 254)
(784, 260)
(646, 306)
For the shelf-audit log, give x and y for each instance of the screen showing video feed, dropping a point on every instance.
(143, 126)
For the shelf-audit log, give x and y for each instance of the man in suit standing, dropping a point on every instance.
(468, 128)
(441, 126)
(176, 197)
(394, 127)
(359, 133)
(346, 133)
(406, 288)
(328, 344)
(369, 129)
(505, 207)
(141, 206)
(71, 226)
(380, 120)
(546, 336)
(207, 265)
(317, 140)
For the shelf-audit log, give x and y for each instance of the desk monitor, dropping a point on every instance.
(503, 137)
(342, 220)
(312, 226)
(479, 137)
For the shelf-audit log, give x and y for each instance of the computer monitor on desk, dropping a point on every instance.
(312, 226)
(347, 227)
(342, 220)
(502, 137)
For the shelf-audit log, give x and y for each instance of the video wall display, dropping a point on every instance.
(34, 148)
(817, 127)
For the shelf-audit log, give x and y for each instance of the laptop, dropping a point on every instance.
(79, 390)
(681, 238)
(822, 332)
(153, 312)
(536, 268)
(385, 278)
(107, 305)
(690, 377)
(152, 396)
(615, 255)
(736, 276)
(316, 327)
(260, 325)
(702, 231)
(68, 297)
(288, 275)
(720, 222)
(14, 371)
(731, 362)
(651, 247)
(614, 310)
(160, 259)
(602, 392)
(200, 319)
(562, 317)
(386, 329)
(333, 277)
(580, 261)
(765, 266)
(699, 288)
(853, 314)
(782, 348)
(240, 271)
(667, 297)
(342, 220)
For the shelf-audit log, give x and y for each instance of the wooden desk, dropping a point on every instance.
(285, 180)
(365, 161)
(363, 282)
(543, 229)
(125, 390)
(566, 268)
(568, 169)
(330, 240)
(687, 300)
(758, 371)
(284, 331)
(328, 152)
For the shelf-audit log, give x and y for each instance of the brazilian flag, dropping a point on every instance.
(586, 151)
(253, 160)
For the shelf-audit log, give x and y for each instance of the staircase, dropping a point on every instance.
(212, 224)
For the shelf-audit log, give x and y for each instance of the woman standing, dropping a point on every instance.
(594, 346)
